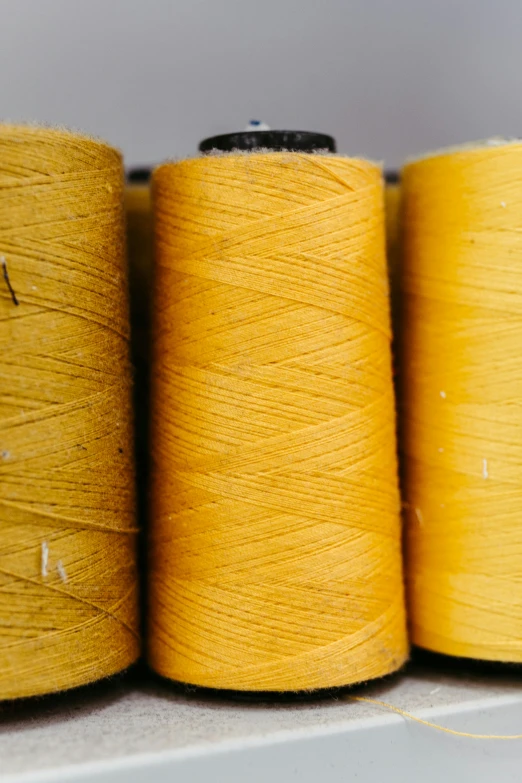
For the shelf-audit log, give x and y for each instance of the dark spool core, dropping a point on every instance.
(392, 177)
(275, 140)
(139, 175)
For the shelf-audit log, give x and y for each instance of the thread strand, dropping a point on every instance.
(438, 727)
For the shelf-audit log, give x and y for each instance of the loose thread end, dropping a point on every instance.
(44, 559)
(8, 282)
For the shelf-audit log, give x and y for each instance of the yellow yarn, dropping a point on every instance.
(462, 409)
(67, 557)
(275, 558)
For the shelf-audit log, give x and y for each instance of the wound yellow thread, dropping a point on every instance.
(275, 559)
(462, 417)
(68, 612)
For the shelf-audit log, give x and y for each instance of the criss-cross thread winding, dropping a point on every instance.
(275, 557)
(462, 400)
(67, 561)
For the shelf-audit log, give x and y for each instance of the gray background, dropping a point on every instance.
(389, 78)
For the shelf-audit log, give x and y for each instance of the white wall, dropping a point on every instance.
(388, 78)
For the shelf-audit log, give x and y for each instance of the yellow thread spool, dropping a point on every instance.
(68, 609)
(275, 559)
(462, 415)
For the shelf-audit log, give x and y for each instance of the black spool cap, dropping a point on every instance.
(139, 175)
(275, 140)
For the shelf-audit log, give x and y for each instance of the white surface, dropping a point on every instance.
(389, 78)
(149, 732)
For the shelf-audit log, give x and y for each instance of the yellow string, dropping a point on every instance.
(462, 387)
(275, 558)
(436, 726)
(67, 528)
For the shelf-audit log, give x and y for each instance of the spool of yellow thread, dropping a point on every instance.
(68, 603)
(275, 560)
(462, 392)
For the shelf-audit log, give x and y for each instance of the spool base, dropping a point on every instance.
(272, 697)
(83, 692)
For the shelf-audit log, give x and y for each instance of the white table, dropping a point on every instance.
(146, 731)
